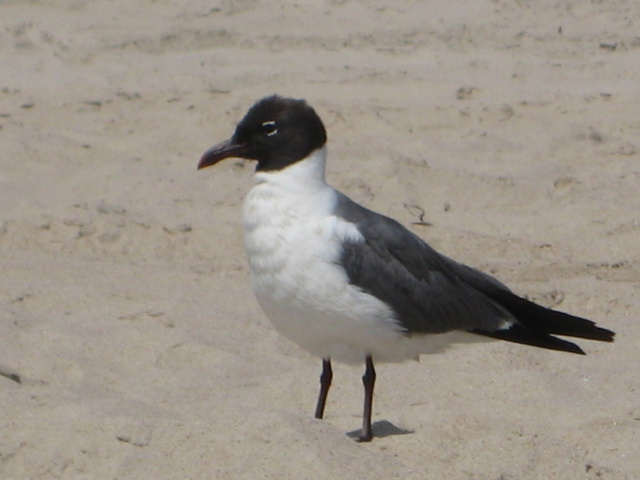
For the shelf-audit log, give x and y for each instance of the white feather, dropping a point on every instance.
(294, 243)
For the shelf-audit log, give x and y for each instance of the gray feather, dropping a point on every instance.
(429, 292)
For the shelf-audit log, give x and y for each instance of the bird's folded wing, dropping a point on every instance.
(432, 293)
(423, 287)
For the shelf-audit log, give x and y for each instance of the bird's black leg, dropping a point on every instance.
(369, 380)
(325, 383)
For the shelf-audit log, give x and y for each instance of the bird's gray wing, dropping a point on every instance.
(430, 293)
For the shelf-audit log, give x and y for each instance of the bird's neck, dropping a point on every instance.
(306, 175)
(298, 191)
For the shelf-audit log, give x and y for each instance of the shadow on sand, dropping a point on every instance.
(381, 429)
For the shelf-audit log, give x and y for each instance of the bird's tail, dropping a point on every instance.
(552, 321)
(537, 325)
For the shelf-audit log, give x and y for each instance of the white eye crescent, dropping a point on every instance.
(270, 128)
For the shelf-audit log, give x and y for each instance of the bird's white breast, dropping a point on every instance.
(293, 242)
(294, 245)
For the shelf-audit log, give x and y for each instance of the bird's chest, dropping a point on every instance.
(294, 245)
(291, 244)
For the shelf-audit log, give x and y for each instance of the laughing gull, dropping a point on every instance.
(349, 284)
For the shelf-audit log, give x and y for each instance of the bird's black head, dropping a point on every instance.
(276, 132)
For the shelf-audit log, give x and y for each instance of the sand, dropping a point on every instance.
(126, 311)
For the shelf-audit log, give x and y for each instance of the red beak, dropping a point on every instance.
(221, 151)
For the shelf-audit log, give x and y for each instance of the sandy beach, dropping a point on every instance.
(506, 134)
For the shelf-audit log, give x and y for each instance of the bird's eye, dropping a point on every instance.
(270, 128)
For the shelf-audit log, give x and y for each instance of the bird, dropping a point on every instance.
(348, 284)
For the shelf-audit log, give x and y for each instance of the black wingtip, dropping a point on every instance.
(524, 336)
(536, 318)
(604, 335)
